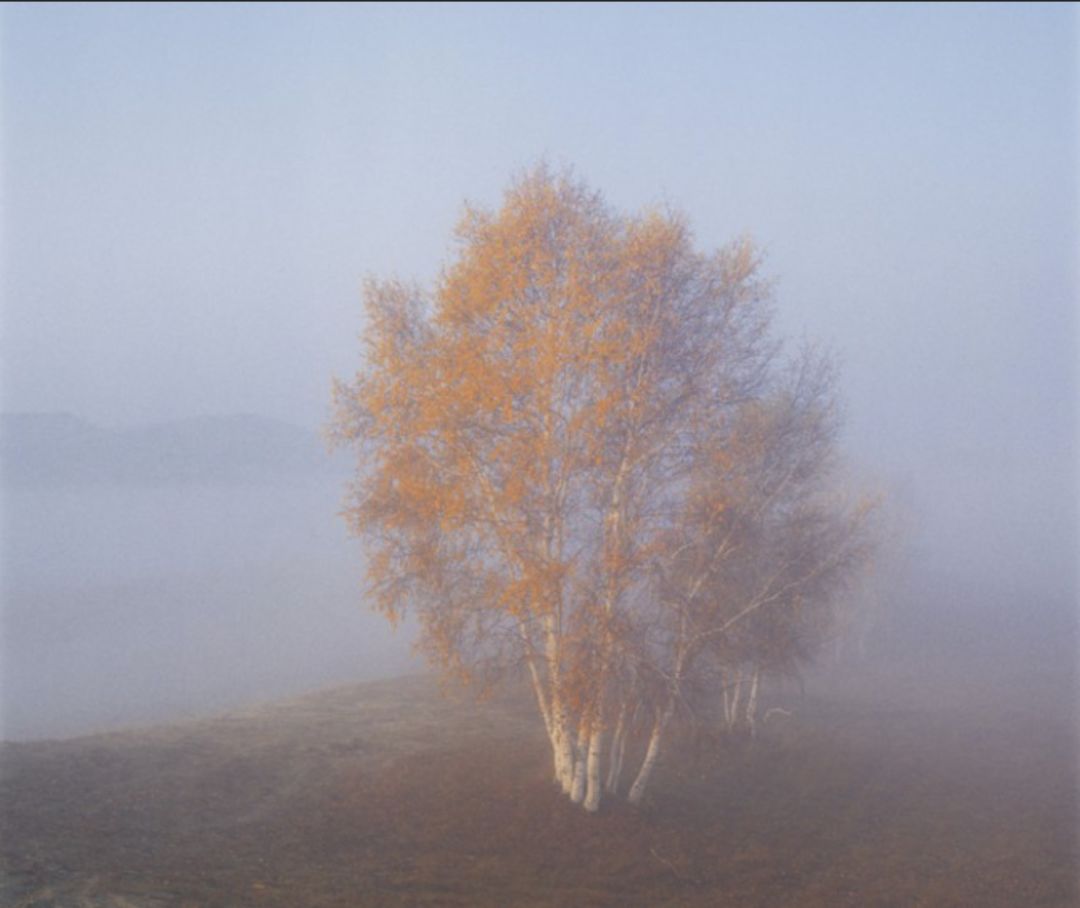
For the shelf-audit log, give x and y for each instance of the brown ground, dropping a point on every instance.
(388, 794)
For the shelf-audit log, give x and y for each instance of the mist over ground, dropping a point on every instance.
(163, 572)
(192, 200)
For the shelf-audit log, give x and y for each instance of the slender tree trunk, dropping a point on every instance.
(563, 756)
(555, 722)
(541, 697)
(577, 788)
(736, 697)
(618, 750)
(592, 768)
(562, 743)
(652, 753)
(751, 702)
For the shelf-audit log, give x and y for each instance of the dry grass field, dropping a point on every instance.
(395, 794)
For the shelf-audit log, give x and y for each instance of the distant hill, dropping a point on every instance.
(48, 449)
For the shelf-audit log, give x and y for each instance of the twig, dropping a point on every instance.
(776, 709)
(689, 879)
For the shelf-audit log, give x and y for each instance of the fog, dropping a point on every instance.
(192, 197)
(128, 603)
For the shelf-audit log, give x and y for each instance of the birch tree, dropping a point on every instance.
(763, 546)
(561, 448)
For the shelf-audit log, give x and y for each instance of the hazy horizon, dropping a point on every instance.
(192, 196)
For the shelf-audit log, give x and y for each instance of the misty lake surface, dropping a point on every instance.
(128, 604)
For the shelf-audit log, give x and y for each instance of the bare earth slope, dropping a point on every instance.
(393, 794)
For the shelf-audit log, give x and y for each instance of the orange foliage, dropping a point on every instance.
(543, 429)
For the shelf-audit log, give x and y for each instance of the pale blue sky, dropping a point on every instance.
(192, 194)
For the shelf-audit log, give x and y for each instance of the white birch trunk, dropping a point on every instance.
(577, 788)
(566, 761)
(652, 753)
(618, 750)
(563, 757)
(562, 745)
(541, 698)
(554, 717)
(751, 702)
(592, 768)
(562, 741)
(736, 697)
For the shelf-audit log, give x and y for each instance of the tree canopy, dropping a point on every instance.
(585, 454)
